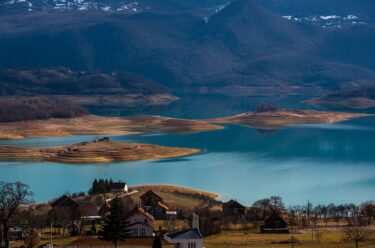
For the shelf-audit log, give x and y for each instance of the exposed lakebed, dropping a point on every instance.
(318, 162)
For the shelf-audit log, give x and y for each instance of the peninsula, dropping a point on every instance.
(100, 125)
(99, 151)
(343, 101)
(282, 117)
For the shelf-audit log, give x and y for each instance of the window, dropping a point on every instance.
(178, 245)
(192, 245)
(143, 232)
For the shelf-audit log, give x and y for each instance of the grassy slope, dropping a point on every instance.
(178, 197)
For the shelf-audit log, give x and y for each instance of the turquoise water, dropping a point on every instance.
(320, 163)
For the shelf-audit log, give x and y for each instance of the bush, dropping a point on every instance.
(265, 107)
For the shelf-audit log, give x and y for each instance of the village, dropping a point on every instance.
(113, 214)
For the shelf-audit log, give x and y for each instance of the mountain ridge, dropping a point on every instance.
(244, 44)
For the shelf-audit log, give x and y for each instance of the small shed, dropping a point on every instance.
(233, 209)
(274, 224)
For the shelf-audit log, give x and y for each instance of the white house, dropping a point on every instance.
(140, 223)
(191, 238)
(119, 187)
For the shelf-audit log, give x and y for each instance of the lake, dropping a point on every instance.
(319, 163)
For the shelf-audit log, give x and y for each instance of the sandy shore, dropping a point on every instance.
(93, 152)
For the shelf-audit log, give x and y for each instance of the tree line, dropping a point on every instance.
(17, 210)
(38, 108)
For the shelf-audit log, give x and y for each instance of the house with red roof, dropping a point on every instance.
(153, 204)
(159, 210)
(140, 222)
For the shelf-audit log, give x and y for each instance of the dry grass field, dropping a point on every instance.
(238, 239)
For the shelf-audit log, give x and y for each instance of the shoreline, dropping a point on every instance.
(102, 125)
(93, 152)
(355, 103)
(283, 117)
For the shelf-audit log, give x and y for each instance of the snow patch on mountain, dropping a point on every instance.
(328, 21)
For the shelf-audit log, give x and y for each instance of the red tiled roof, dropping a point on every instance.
(160, 204)
(141, 211)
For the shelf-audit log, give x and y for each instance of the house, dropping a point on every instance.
(64, 202)
(274, 224)
(140, 223)
(154, 205)
(190, 238)
(63, 206)
(118, 187)
(233, 209)
(150, 198)
(159, 210)
(171, 215)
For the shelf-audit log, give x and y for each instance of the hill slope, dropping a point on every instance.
(243, 45)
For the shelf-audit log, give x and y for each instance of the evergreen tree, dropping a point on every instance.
(94, 187)
(157, 242)
(115, 228)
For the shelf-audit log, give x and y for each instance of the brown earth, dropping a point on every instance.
(93, 152)
(100, 125)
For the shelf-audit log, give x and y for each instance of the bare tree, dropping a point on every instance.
(277, 204)
(32, 238)
(356, 234)
(12, 195)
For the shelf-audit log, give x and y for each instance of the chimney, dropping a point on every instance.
(195, 222)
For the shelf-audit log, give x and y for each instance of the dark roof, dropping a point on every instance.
(142, 211)
(275, 221)
(149, 194)
(192, 233)
(232, 204)
(64, 201)
(119, 185)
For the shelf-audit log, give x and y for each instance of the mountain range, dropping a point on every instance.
(243, 46)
